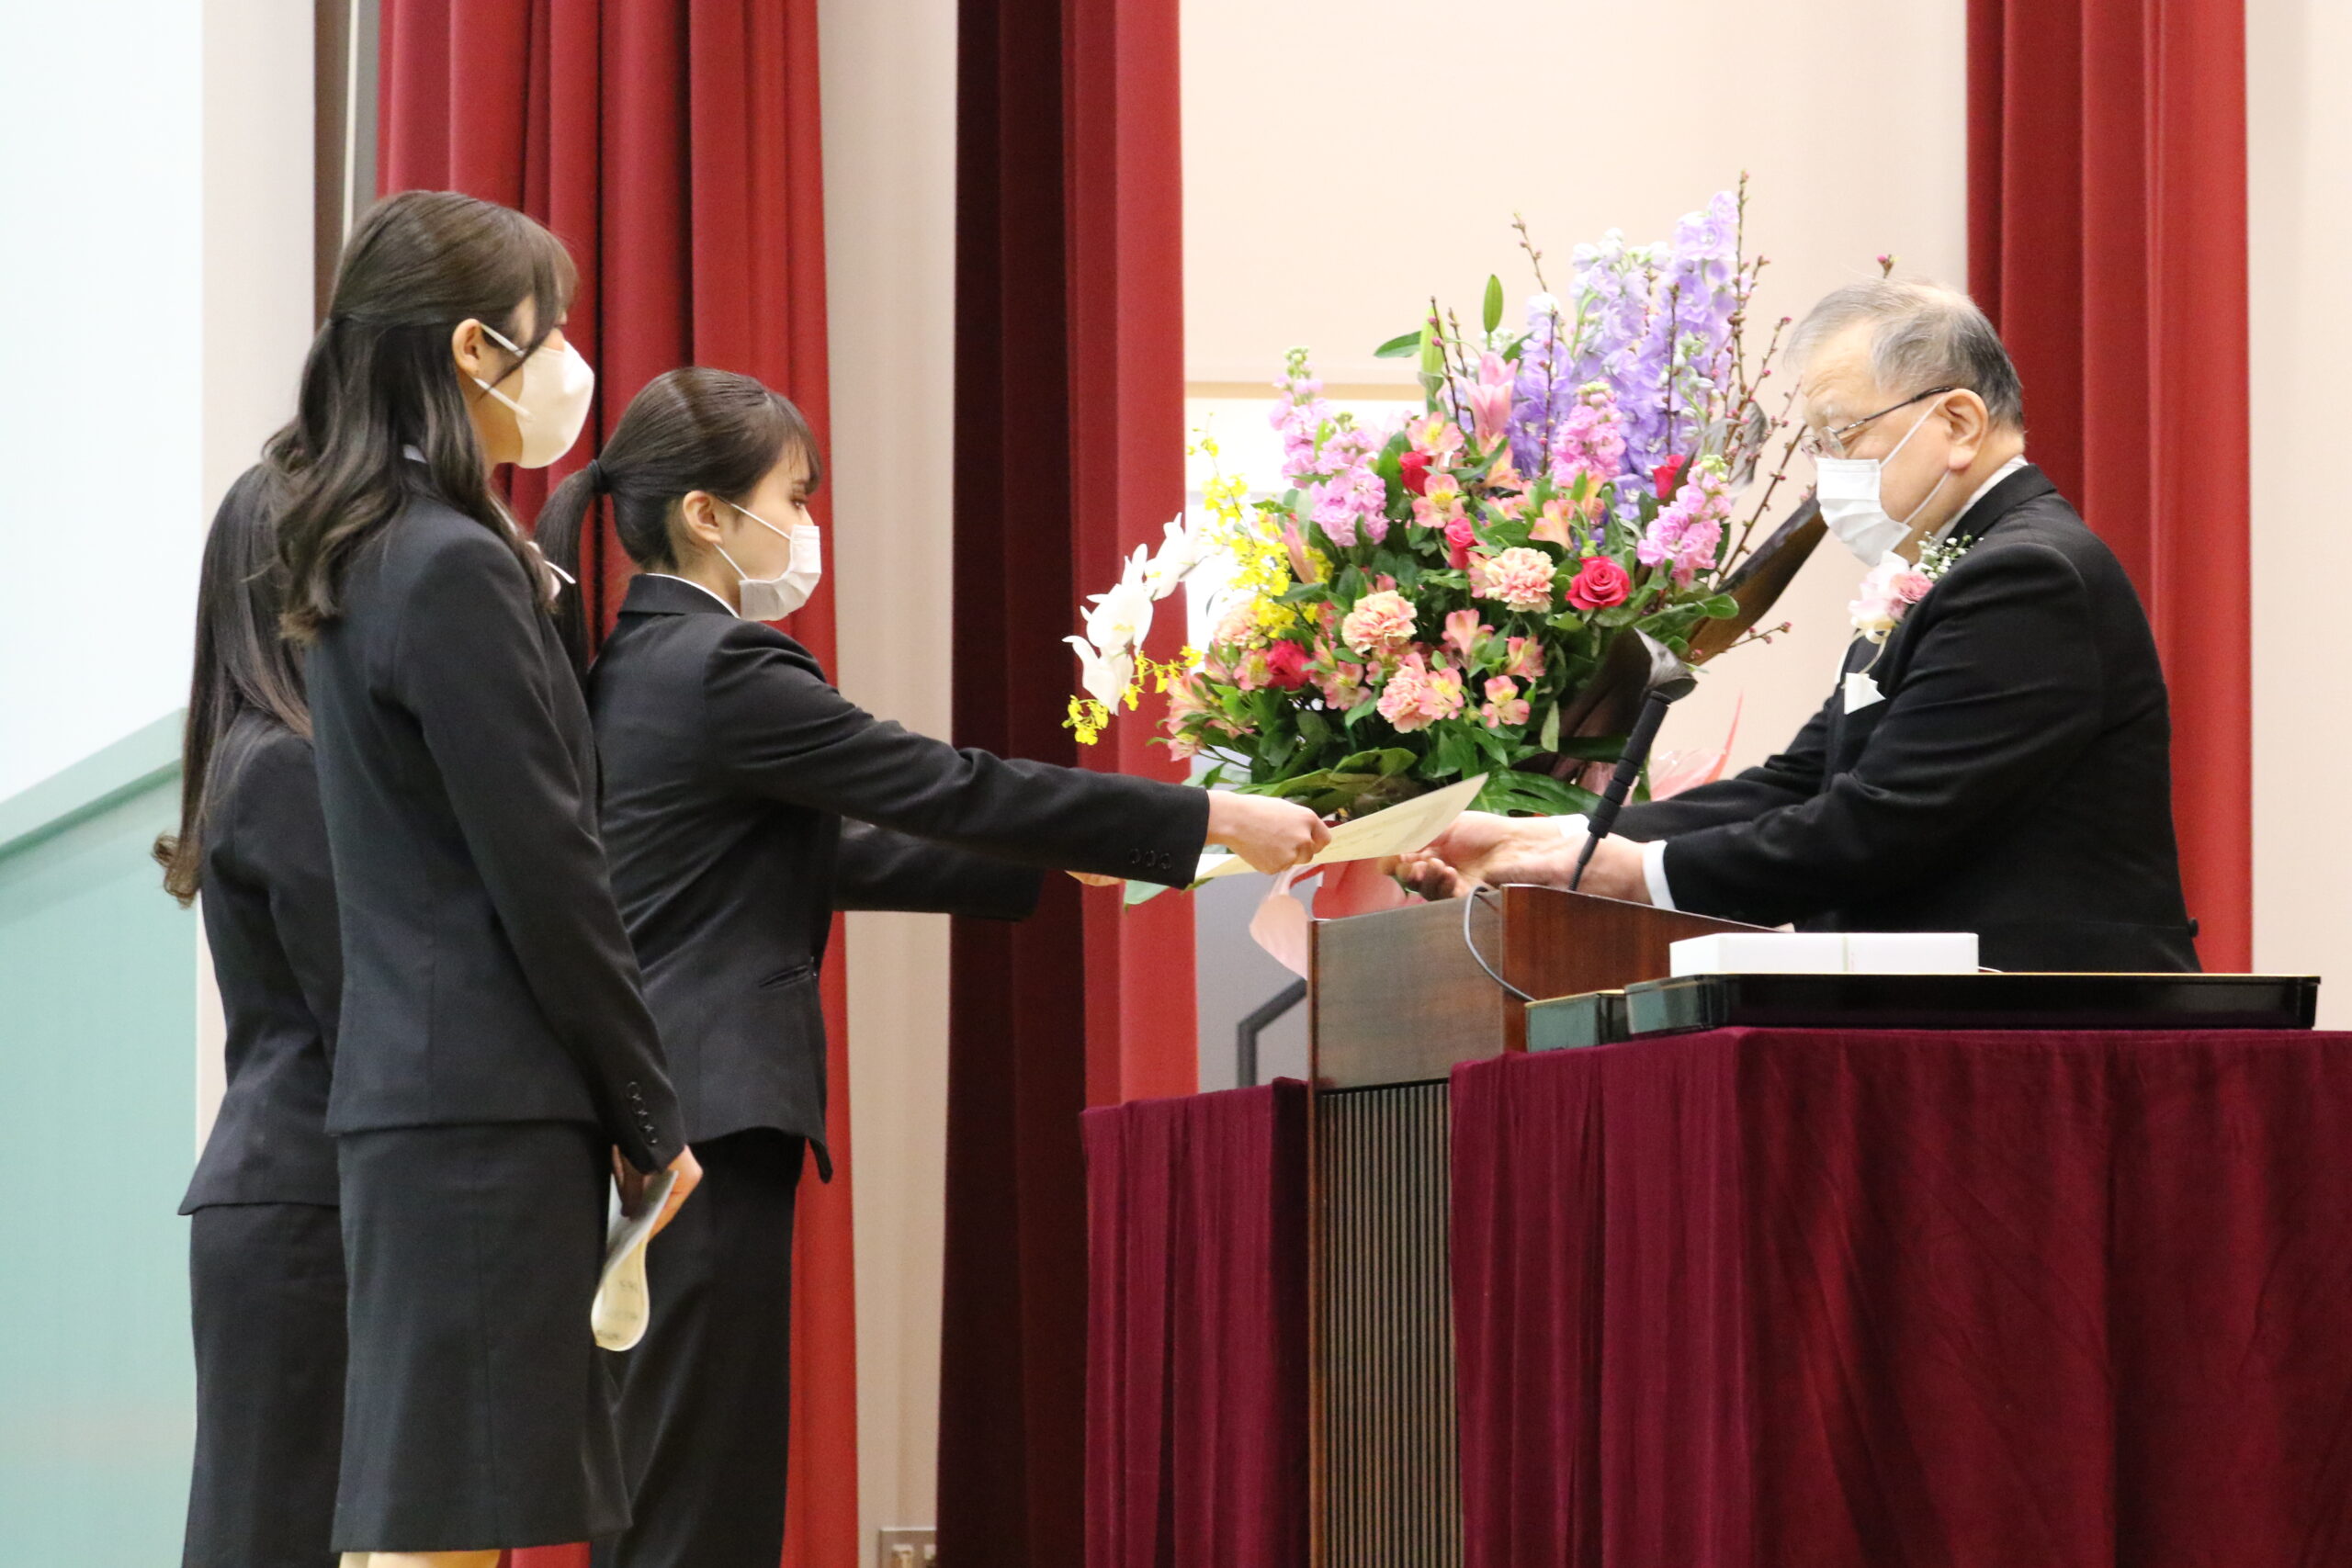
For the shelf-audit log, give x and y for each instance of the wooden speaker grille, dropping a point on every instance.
(1390, 1493)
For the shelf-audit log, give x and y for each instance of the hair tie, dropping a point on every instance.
(597, 483)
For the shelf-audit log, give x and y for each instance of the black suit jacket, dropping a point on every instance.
(269, 918)
(729, 762)
(2015, 781)
(486, 975)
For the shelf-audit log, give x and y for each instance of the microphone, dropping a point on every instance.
(1668, 681)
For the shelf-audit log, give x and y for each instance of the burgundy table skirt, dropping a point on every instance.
(1196, 1351)
(1768, 1297)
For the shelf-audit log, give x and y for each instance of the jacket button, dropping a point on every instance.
(1134, 857)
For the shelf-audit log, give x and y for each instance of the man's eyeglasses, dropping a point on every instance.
(1832, 443)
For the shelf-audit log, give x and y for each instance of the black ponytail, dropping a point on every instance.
(569, 511)
(690, 429)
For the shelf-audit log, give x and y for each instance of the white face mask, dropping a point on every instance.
(551, 402)
(1847, 490)
(773, 598)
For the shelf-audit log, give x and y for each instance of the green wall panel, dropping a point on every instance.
(97, 1044)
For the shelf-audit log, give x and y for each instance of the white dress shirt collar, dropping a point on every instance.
(698, 588)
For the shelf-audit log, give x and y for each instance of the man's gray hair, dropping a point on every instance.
(1923, 336)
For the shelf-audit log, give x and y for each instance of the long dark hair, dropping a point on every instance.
(381, 379)
(243, 665)
(690, 429)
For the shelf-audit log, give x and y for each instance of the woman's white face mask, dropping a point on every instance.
(773, 598)
(1847, 490)
(550, 401)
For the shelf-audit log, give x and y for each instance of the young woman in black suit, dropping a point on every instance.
(496, 1066)
(731, 764)
(265, 1243)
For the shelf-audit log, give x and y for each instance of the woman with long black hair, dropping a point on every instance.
(496, 1067)
(265, 1242)
(746, 800)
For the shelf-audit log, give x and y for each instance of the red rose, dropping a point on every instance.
(1413, 468)
(1668, 478)
(1459, 538)
(1599, 584)
(1287, 666)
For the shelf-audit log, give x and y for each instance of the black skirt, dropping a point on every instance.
(477, 1411)
(266, 1289)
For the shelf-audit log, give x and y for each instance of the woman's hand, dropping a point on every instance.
(1271, 835)
(632, 1185)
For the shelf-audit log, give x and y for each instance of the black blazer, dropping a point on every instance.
(486, 975)
(269, 918)
(2015, 781)
(729, 762)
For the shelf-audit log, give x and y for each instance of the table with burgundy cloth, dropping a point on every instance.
(1783, 1296)
(1766, 1297)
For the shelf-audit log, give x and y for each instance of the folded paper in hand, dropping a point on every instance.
(1398, 829)
(622, 1308)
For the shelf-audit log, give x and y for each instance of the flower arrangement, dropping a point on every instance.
(1423, 601)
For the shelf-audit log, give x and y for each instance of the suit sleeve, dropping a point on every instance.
(470, 667)
(1785, 779)
(2003, 691)
(781, 730)
(287, 845)
(877, 869)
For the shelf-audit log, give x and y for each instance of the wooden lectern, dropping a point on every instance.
(1397, 999)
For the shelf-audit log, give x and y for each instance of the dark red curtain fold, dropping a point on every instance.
(1196, 1381)
(1068, 452)
(2107, 237)
(1751, 1298)
(675, 146)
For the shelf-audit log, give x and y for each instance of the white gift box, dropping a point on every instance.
(1827, 953)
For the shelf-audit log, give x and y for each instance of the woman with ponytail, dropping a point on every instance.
(496, 1067)
(745, 800)
(265, 1245)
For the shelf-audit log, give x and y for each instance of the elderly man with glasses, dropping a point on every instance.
(1994, 756)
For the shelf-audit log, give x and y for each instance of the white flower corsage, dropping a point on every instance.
(1895, 585)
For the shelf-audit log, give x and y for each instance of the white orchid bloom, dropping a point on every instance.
(1181, 547)
(1121, 618)
(1106, 676)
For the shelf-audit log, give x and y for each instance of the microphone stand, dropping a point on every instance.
(1669, 680)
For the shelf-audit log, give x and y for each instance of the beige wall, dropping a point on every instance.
(2300, 170)
(256, 297)
(890, 127)
(1341, 162)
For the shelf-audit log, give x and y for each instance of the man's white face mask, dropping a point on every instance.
(1847, 490)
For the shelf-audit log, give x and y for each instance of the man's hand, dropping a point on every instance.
(1475, 839)
(1092, 880)
(1271, 835)
(1545, 860)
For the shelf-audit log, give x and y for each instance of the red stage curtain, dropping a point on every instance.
(1068, 452)
(1751, 1298)
(1196, 1377)
(2107, 237)
(674, 147)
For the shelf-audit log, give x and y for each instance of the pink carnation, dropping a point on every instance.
(1419, 694)
(1910, 587)
(1518, 577)
(1380, 623)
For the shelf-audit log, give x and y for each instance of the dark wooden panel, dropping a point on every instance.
(1398, 997)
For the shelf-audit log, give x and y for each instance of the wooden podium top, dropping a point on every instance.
(1398, 996)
